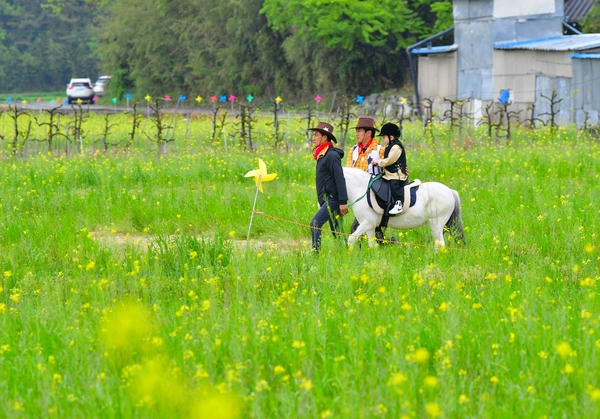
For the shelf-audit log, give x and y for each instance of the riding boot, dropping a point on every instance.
(379, 235)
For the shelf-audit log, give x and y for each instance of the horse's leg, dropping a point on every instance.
(363, 228)
(437, 230)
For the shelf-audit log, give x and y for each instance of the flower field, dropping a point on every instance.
(127, 289)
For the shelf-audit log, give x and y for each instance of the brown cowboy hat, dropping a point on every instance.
(366, 124)
(325, 129)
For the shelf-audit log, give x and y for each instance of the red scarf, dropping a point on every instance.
(363, 148)
(320, 148)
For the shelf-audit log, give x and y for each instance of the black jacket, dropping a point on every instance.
(331, 184)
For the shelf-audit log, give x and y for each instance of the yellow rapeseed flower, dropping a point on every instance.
(298, 344)
(217, 406)
(126, 329)
(305, 384)
(564, 350)
(421, 356)
(262, 385)
(430, 381)
(594, 393)
(433, 410)
(278, 369)
(396, 379)
(463, 399)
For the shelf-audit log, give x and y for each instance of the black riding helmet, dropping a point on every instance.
(390, 129)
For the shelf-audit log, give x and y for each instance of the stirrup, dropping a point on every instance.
(397, 208)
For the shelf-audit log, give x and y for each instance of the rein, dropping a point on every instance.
(368, 187)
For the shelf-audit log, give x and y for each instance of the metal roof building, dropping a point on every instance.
(558, 43)
(507, 49)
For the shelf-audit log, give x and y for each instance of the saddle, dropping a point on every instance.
(383, 197)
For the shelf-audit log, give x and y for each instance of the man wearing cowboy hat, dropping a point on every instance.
(366, 149)
(363, 154)
(330, 182)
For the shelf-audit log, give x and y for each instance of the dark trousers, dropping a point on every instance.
(329, 211)
(397, 189)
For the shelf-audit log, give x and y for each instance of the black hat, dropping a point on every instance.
(325, 129)
(390, 130)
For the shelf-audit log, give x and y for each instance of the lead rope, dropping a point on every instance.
(368, 187)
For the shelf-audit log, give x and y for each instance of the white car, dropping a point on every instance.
(80, 89)
(101, 85)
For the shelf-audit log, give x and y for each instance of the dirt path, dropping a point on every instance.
(142, 241)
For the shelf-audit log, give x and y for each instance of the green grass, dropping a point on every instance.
(18, 98)
(126, 291)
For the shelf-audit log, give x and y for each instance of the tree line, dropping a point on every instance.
(266, 48)
(262, 47)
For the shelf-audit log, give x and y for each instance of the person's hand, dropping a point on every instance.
(407, 171)
(344, 209)
(374, 163)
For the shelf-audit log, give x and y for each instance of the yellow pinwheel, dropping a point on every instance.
(199, 99)
(260, 175)
(148, 97)
(278, 99)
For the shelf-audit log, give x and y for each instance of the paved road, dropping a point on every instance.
(103, 109)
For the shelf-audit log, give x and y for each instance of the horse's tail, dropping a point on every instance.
(455, 222)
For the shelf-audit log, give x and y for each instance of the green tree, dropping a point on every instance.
(355, 45)
(41, 50)
(191, 46)
(263, 47)
(591, 23)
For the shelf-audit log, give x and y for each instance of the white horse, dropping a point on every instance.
(436, 203)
